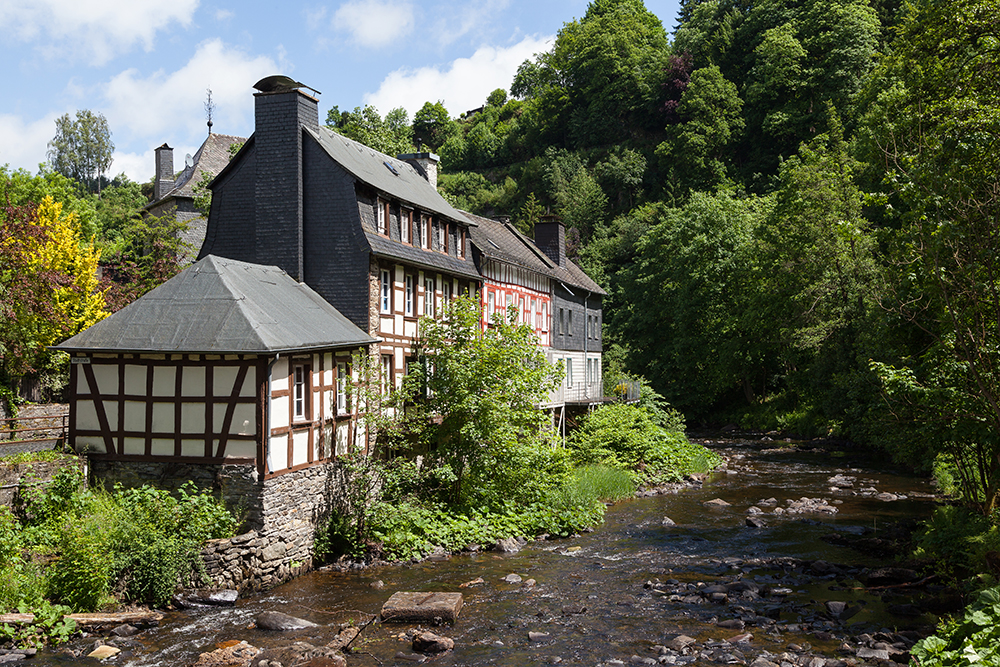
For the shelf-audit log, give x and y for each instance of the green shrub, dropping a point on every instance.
(82, 575)
(626, 436)
(973, 639)
(957, 538)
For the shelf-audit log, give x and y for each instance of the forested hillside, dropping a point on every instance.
(791, 203)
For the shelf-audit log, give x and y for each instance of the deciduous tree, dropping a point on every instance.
(82, 148)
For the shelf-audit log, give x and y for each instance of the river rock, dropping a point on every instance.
(325, 661)
(428, 642)
(422, 607)
(680, 642)
(755, 522)
(277, 621)
(512, 578)
(474, 582)
(507, 546)
(715, 502)
(753, 509)
(731, 624)
(667, 521)
(840, 481)
(573, 609)
(229, 654)
(409, 657)
(344, 637)
(104, 652)
(225, 597)
(124, 630)
(769, 502)
(836, 607)
(873, 653)
(887, 497)
(744, 638)
(538, 636)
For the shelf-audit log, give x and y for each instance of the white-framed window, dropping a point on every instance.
(446, 291)
(342, 402)
(405, 224)
(569, 321)
(461, 243)
(562, 321)
(545, 316)
(385, 299)
(569, 372)
(442, 236)
(300, 392)
(522, 316)
(411, 290)
(491, 303)
(382, 215)
(429, 296)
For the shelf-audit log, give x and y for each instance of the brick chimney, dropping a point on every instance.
(164, 171)
(279, 117)
(426, 165)
(550, 237)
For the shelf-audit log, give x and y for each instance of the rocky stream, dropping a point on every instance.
(785, 558)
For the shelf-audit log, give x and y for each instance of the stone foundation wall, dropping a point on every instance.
(282, 515)
(239, 486)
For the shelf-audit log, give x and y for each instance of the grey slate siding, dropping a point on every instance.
(336, 252)
(231, 228)
(578, 341)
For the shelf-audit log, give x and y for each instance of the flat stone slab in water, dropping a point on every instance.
(422, 607)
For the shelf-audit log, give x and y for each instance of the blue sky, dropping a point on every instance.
(147, 65)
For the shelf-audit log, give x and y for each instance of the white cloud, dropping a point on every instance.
(374, 23)
(24, 144)
(464, 85)
(224, 14)
(95, 30)
(169, 106)
(465, 17)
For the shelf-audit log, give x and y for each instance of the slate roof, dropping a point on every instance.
(223, 306)
(402, 182)
(369, 166)
(212, 156)
(502, 242)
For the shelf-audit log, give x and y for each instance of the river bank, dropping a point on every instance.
(704, 587)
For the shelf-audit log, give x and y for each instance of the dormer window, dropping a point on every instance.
(382, 214)
(442, 240)
(461, 243)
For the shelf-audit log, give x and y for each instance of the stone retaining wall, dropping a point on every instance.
(282, 514)
(11, 476)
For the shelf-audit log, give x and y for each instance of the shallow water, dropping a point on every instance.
(605, 572)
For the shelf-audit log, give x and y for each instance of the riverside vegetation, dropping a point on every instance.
(464, 456)
(791, 204)
(66, 548)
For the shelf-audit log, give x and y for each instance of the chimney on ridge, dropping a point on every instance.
(426, 165)
(550, 237)
(164, 171)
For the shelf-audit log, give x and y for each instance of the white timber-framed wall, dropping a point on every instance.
(210, 409)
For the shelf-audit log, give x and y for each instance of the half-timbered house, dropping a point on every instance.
(551, 294)
(232, 375)
(367, 231)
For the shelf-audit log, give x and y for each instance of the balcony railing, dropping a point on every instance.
(582, 393)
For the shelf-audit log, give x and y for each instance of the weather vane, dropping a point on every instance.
(209, 109)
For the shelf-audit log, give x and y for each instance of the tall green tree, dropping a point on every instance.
(82, 148)
(391, 135)
(483, 389)
(932, 125)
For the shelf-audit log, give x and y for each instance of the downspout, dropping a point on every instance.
(267, 414)
(586, 337)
